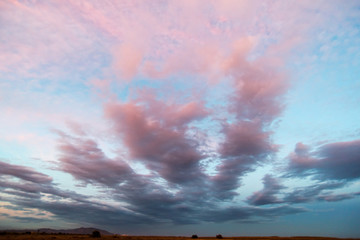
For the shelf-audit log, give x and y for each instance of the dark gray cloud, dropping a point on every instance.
(171, 202)
(250, 213)
(226, 181)
(108, 216)
(141, 193)
(146, 201)
(24, 219)
(151, 200)
(20, 193)
(338, 197)
(76, 207)
(334, 161)
(84, 212)
(28, 187)
(311, 193)
(333, 166)
(246, 146)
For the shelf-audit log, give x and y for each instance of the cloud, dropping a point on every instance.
(127, 60)
(338, 197)
(24, 219)
(25, 173)
(85, 161)
(312, 192)
(267, 194)
(255, 102)
(155, 133)
(333, 161)
(332, 165)
(259, 84)
(246, 139)
(16, 193)
(44, 36)
(320, 191)
(154, 205)
(14, 183)
(25, 188)
(63, 204)
(246, 214)
(234, 47)
(159, 201)
(84, 212)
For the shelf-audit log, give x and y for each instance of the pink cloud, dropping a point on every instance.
(127, 61)
(180, 40)
(246, 138)
(259, 85)
(41, 37)
(54, 32)
(156, 134)
(256, 100)
(242, 46)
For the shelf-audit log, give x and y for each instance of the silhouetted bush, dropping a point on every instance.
(219, 236)
(194, 236)
(95, 234)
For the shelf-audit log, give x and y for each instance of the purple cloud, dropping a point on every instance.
(338, 197)
(333, 161)
(311, 193)
(255, 103)
(85, 161)
(25, 173)
(268, 194)
(192, 101)
(156, 135)
(157, 202)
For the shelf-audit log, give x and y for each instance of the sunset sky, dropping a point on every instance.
(181, 117)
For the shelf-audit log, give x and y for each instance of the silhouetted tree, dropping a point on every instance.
(219, 236)
(95, 234)
(194, 236)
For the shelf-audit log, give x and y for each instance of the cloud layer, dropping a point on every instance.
(160, 111)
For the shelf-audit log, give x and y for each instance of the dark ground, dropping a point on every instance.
(35, 236)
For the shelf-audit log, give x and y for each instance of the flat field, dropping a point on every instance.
(118, 237)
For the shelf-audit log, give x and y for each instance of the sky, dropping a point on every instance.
(181, 117)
